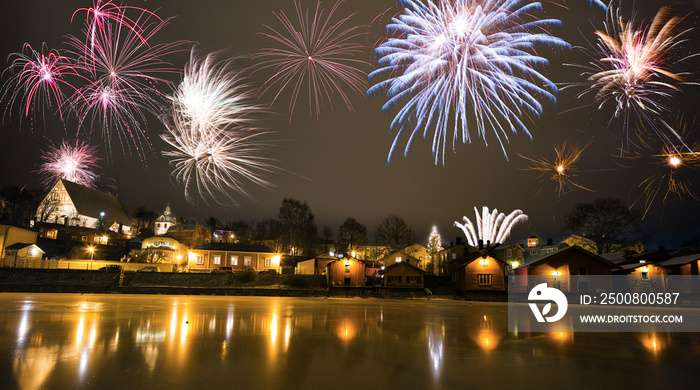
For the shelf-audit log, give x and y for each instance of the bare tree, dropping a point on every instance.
(607, 223)
(298, 227)
(144, 221)
(394, 233)
(351, 235)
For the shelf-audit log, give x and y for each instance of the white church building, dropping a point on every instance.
(72, 204)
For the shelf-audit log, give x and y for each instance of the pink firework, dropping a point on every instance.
(37, 78)
(73, 161)
(125, 75)
(102, 12)
(315, 53)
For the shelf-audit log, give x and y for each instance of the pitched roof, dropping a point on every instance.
(91, 203)
(402, 264)
(21, 245)
(563, 252)
(680, 260)
(225, 246)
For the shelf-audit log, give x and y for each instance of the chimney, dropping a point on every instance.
(481, 244)
(459, 240)
(488, 243)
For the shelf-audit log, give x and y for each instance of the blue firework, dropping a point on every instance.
(452, 64)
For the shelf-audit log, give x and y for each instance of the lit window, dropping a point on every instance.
(484, 279)
(246, 261)
(398, 259)
(84, 238)
(97, 239)
(217, 260)
(234, 260)
(268, 262)
(200, 259)
(509, 253)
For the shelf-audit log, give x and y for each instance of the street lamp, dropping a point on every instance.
(92, 252)
(276, 261)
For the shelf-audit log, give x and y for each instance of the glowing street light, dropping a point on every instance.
(92, 252)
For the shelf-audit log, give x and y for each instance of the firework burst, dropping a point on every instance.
(212, 129)
(631, 70)
(102, 13)
(74, 161)
(665, 170)
(125, 77)
(454, 62)
(37, 80)
(316, 53)
(490, 226)
(561, 169)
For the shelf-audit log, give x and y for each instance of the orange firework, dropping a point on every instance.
(665, 169)
(561, 168)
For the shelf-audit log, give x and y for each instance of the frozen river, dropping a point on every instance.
(68, 341)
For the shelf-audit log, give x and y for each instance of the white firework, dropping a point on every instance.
(490, 226)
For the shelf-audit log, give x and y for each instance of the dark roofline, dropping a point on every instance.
(566, 250)
(400, 263)
(224, 246)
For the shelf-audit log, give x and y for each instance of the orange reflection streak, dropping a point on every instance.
(487, 339)
(653, 342)
(34, 365)
(347, 330)
(562, 337)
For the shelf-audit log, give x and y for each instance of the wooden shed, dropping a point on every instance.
(481, 271)
(403, 275)
(346, 272)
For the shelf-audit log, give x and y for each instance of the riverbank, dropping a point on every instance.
(241, 284)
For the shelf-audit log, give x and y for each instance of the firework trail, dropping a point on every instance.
(102, 13)
(631, 70)
(664, 170)
(455, 62)
(315, 53)
(490, 227)
(74, 161)
(125, 76)
(213, 130)
(36, 80)
(561, 169)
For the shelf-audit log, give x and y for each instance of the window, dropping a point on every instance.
(454, 256)
(97, 239)
(217, 260)
(484, 279)
(200, 259)
(412, 279)
(533, 252)
(582, 271)
(398, 259)
(84, 238)
(246, 261)
(268, 262)
(550, 250)
(520, 253)
(509, 253)
(234, 260)
(347, 268)
(645, 275)
(394, 279)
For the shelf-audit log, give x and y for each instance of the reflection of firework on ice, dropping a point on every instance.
(125, 74)
(561, 169)
(315, 53)
(493, 227)
(73, 161)
(37, 78)
(213, 130)
(666, 169)
(454, 62)
(631, 69)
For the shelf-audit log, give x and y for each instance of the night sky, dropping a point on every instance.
(338, 164)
